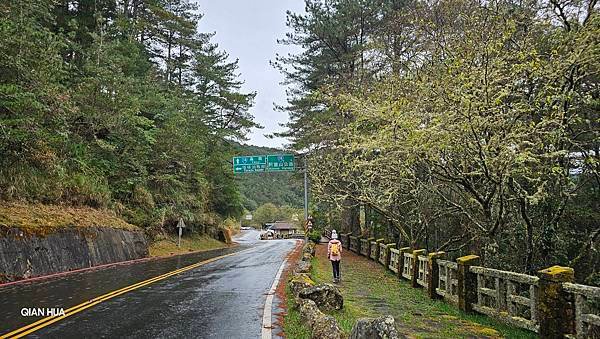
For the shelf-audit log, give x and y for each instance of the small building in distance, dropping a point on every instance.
(283, 227)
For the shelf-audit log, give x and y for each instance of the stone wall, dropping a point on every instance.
(23, 256)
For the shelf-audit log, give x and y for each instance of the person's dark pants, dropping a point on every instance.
(336, 269)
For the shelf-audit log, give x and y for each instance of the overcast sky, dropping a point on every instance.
(248, 30)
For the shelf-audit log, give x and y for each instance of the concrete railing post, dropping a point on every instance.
(415, 267)
(386, 260)
(369, 249)
(360, 245)
(377, 248)
(555, 313)
(354, 244)
(467, 282)
(434, 272)
(401, 260)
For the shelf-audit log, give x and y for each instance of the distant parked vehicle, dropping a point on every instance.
(245, 228)
(268, 235)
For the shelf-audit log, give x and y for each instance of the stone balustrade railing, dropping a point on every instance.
(448, 281)
(384, 255)
(507, 295)
(422, 270)
(407, 267)
(587, 316)
(353, 244)
(364, 247)
(374, 246)
(394, 260)
(549, 304)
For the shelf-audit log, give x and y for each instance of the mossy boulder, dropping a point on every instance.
(309, 248)
(303, 267)
(326, 296)
(375, 328)
(300, 282)
(322, 326)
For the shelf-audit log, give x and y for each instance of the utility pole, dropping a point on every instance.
(305, 199)
(305, 189)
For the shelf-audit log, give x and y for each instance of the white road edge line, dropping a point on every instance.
(267, 322)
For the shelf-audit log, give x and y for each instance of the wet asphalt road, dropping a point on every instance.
(222, 299)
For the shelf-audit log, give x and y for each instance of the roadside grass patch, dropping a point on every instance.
(369, 290)
(346, 317)
(321, 272)
(167, 245)
(293, 326)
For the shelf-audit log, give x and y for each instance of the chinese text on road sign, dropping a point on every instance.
(263, 163)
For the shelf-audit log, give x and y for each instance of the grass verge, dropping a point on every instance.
(168, 245)
(369, 290)
(293, 326)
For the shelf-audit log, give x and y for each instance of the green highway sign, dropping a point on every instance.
(251, 160)
(251, 164)
(249, 168)
(280, 162)
(263, 163)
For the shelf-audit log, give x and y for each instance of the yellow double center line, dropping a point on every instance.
(25, 330)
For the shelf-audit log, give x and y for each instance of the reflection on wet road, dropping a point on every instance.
(222, 299)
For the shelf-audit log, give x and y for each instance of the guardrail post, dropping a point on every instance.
(415, 268)
(401, 260)
(556, 315)
(467, 282)
(434, 273)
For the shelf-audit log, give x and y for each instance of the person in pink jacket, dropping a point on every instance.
(334, 254)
